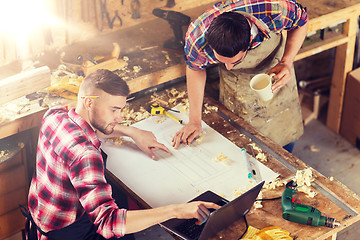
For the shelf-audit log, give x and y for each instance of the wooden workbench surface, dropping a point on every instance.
(270, 214)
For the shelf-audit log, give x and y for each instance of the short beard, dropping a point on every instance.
(99, 125)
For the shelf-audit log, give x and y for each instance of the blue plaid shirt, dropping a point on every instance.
(277, 15)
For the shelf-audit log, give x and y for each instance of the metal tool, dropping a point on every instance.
(176, 20)
(105, 13)
(299, 213)
(253, 168)
(135, 9)
(170, 3)
(156, 109)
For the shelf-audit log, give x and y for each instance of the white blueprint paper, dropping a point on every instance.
(186, 172)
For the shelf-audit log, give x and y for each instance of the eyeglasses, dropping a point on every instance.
(237, 61)
(241, 59)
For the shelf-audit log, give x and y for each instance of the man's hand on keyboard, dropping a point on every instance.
(198, 210)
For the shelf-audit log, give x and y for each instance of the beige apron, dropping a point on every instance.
(280, 118)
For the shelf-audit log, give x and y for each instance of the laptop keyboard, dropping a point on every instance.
(189, 227)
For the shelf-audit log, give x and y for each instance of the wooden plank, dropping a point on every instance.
(321, 46)
(343, 64)
(24, 83)
(156, 78)
(333, 17)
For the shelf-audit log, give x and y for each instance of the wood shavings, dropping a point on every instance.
(10, 110)
(314, 149)
(260, 155)
(199, 139)
(168, 59)
(303, 179)
(136, 69)
(130, 116)
(274, 184)
(156, 99)
(232, 131)
(185, 107)
(223, 159)
(117, 141)
(258, 204)
(61, 70)
(174, 95)
(3, 153)
(208, 108)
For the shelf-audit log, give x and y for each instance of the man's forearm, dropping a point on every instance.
(294, 41)
(195, 86)
(119, 130)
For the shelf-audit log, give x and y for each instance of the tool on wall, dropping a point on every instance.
(135, 9)
(156, 109)
(176, 20)
(105, 13)
(300, 213)
(170, 3)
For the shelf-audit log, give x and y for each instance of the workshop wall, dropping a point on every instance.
(62, 22)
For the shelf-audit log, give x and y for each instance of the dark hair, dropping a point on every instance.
(228, 34)
(107, 81)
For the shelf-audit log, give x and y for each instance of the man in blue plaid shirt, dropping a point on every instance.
(245, 38)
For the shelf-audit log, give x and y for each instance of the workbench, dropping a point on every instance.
(142, 42)
(333, 198)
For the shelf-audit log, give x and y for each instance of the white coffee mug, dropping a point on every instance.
(261, 83)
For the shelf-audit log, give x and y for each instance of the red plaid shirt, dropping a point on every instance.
(69, 177)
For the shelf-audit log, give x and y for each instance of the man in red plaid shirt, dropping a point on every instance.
(69, 197)
(244, 38)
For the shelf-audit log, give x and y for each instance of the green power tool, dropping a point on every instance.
(300, 213)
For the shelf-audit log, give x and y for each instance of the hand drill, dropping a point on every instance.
(300, 213)
(176, 20)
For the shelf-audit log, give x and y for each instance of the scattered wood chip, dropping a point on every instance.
(208, 108)
(314, 149)
(274, 184)
(223, 159)
(117, 141)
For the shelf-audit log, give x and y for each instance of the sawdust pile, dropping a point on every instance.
(131, 116)
(303, 179)
(260, 155)
(10, 110)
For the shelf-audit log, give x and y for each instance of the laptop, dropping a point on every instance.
(218, 219)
